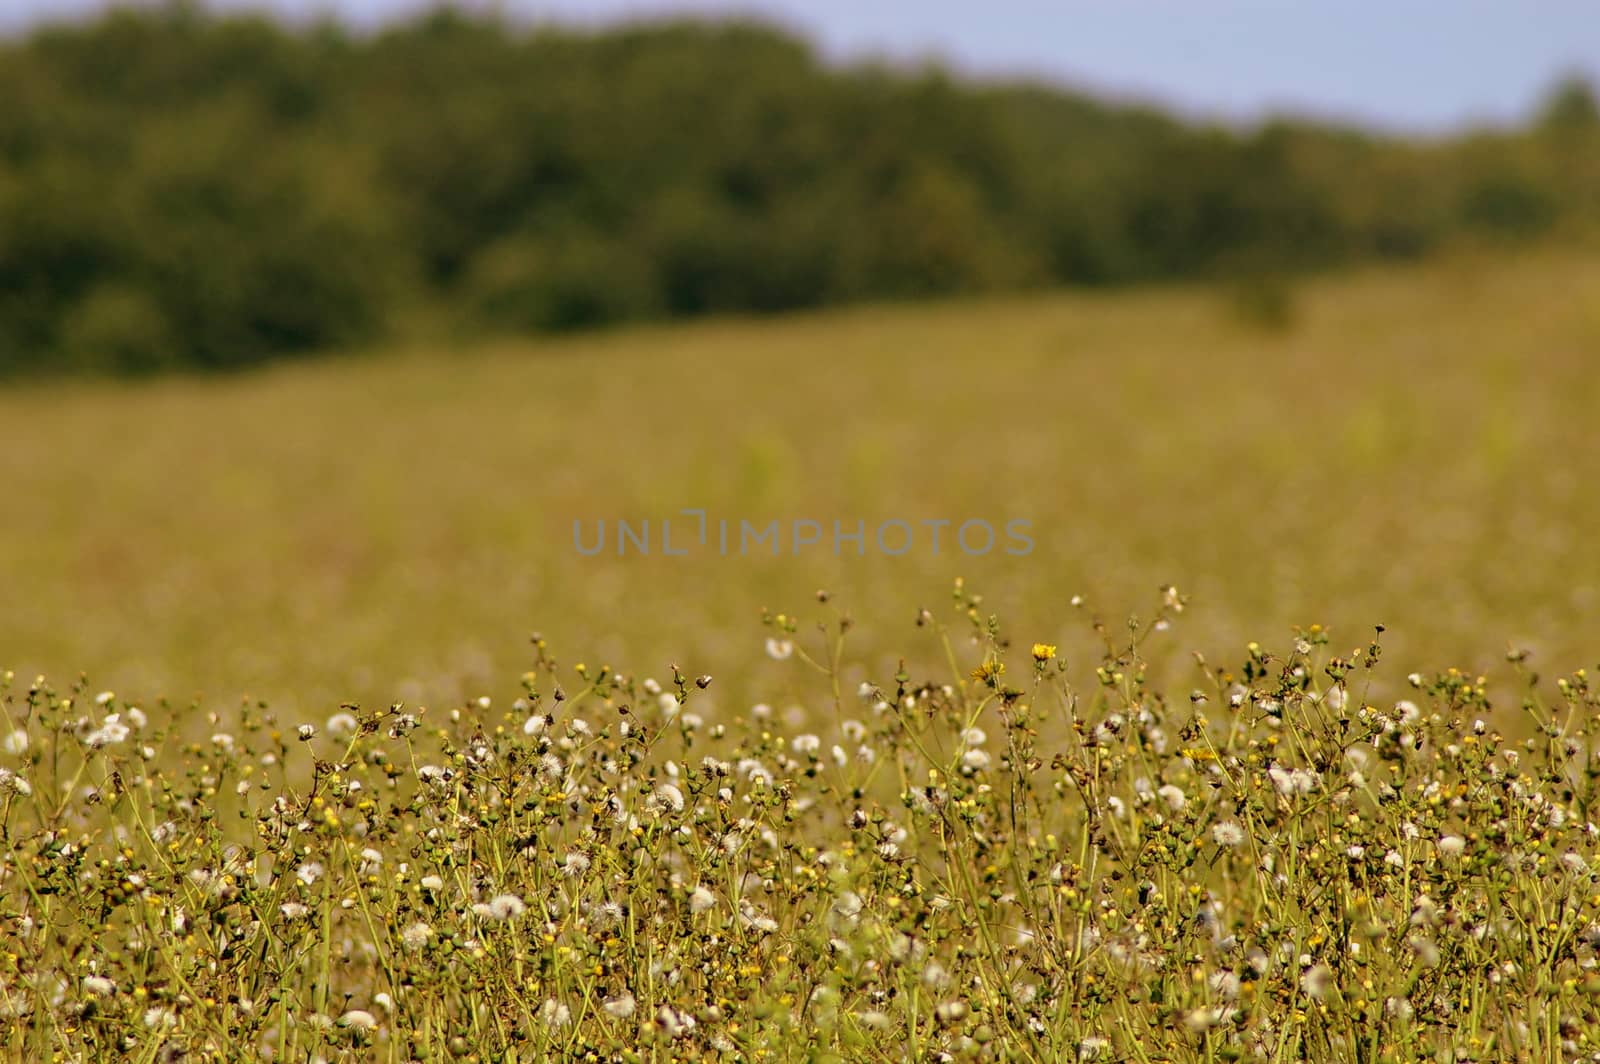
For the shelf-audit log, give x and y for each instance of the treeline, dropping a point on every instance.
(179, 188)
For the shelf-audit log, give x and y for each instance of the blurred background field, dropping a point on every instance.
(1413, 447)
(489, 278)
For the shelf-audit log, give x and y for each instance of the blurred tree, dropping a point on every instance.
(1570, 109)
(182, 188)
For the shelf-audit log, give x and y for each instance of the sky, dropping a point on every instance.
(1408, 65)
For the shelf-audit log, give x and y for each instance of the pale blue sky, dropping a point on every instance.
(1411, 64)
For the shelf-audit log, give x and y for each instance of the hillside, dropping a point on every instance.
(1414, 448)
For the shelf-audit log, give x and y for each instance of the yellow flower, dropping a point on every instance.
(1043, 652)
(988, 671)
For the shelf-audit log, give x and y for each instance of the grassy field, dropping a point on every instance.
(1416, 450)
(669, 831)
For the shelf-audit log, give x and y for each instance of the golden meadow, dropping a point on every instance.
(372, 763)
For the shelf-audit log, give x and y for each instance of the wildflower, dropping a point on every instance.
(111, 732)
(1426, 914)
(574, 864)
(674, 1023)
(1173, 796)
(550, 767)
(416, 936)
(621, 1006)
(975, 760)
(1224, 984)
(1317, 981)
(432, 882)
(358, 1020)
(554, 1013)
(1227, 833)
(779, 649)
(701, 899)
(666, 798)
(17, 742)
(1292, 781)
(99, 985)
(159, 1017)
(989, 672)
(1451, 845)
(805, 744)
(1043, 652)
(974, 737)
(309, 872)
(293, 910)
(950, 1012)
(1427, 953)
(669, 704)
(342, 725)
(753, 917)
(506, 907)
(306, 733)
(12, 783)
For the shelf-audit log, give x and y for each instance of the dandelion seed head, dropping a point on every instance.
(701, 899)
(1227, 833)
(342, 725)
(506, 907)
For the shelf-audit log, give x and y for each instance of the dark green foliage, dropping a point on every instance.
(185, 189)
